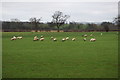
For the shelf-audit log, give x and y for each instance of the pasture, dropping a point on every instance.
(25, 58)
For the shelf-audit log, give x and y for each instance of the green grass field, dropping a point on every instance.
(26, 58)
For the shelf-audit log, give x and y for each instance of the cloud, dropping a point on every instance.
(60, 0)
(79, 11)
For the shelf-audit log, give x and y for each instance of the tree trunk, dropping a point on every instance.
(58, 29)
(36, 27)
(35, 30)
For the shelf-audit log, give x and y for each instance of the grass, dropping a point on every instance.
(71, 59)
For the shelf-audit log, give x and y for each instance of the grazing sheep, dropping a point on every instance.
(41, 39)
(55, 39)
(13, 38)
(85, 35)
(20, 37)
(42, 36)
(91, 34)
(35, 38)
(92, 39)
(73, 39)
(63, 39)
(84, 39)
(67, 38)
(52, 38)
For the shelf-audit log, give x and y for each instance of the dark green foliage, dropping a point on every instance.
(106, 26)
(59, 19)
(72, 26)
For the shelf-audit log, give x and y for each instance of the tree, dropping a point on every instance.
(59, 19)
(117, 21)
(35, 22)
(91, 27)
(105, 25)
(15, 24)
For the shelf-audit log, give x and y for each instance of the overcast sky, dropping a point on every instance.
(78, 11)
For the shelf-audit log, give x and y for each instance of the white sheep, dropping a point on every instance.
(41, 39)
(13, 38)
(42, 36)
(91, 34)
(35, 38)
(20, 37)
(63, 39)
(67, 38)
(84, 39)
(92, 39)
(73, 39)
(85, 35)
(52, 38)
(55, 39)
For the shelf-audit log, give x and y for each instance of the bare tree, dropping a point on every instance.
(117, 20)
(106, 25)
(35, 22)
(59, 19)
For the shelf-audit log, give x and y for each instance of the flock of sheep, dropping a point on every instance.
(64, 39)
(15, 38)
(52, 38)
(55, 39)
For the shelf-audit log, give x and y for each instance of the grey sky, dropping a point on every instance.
(78, 11)
(59, 0)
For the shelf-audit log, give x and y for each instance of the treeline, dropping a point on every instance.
(8, 26)
(58, 23)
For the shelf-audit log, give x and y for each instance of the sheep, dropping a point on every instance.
(73, 39)
(91, 34)
(63, 39)
(55, 39)
(101, 34)
(20, 37)
(84, 39)
(67, 38)
(35, 38)
(52, 38)
(41, 39)
(85, 35)
(13, 38)
(42, 36)
(92, 39)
